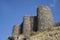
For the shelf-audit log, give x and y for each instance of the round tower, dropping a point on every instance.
(45, 18)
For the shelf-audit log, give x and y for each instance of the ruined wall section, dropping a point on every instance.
(33, 20)
(26, 26)
(29, 24)
(16, 30)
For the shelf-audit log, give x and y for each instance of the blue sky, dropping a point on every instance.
(12, 12)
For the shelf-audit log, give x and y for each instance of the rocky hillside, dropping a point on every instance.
(52, 33)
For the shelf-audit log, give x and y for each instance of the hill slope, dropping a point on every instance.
(50, 34)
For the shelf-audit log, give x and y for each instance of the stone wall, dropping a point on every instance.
(45, 18)
(26, 26)
(33, 20)
(16, 30)
(30, 23)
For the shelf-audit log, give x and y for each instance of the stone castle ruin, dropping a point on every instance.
(33, 24)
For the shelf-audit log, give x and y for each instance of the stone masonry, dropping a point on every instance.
(31, 24)
(45, 18)
(26, 26)
(16, 29)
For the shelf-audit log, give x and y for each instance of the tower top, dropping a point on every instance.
(43, 7)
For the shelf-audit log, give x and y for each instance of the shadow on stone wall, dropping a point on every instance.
(21, 29)
(35, 28)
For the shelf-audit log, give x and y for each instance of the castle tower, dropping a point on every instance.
(26, 26)
(45, 18)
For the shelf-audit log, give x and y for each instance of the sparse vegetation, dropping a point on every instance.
(51, 28)
(57, 24)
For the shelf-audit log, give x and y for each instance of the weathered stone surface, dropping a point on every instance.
(47, 35)
(33, 20)
(45, 18)
(29, 29)
(30, 24)
(16, 30)
(21, 37)
(26, 26)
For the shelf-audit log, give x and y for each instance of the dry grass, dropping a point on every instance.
(50, 29)
(53, 33)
